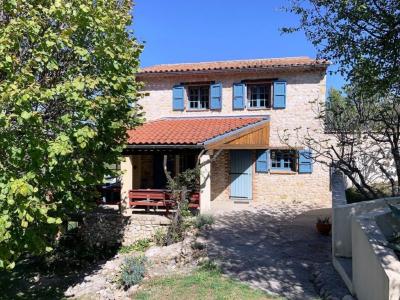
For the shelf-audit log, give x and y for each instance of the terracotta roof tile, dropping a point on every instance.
(266, 63)
(187, 131)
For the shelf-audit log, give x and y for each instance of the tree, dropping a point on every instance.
(357, 140)
(67, 96)
(361, 37)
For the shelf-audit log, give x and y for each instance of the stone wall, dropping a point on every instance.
(302, 90)
(112, 228)
(271, 187)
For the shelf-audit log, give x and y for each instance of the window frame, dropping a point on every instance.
(292, 155)
(268, 95)
(199, 100)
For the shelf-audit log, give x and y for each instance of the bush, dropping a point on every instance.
(133, 271)
(159, 237)
(198, 246)
(140, 246)
(202, 220)
(209, 266)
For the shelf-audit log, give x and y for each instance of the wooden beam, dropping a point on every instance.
(257, 135)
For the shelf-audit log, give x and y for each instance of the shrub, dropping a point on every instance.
(140, 246)
(198, 246)
(133, 271)
(159, 237)
(209, 266)
(202, 220)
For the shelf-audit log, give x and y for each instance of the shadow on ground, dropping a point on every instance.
(272, 253)
(48, 277)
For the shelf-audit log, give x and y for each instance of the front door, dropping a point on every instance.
(241, 174)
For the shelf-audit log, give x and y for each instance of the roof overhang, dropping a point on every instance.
(254, 135)
(271, 70)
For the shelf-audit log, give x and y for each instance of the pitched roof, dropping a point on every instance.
(265, 63)
(188, 131)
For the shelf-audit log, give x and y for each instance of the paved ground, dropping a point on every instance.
(274, 250)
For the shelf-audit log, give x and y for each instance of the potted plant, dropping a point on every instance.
(324, 225)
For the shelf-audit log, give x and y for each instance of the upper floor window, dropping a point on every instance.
(283, 160)
(259, 95)
(199, 97)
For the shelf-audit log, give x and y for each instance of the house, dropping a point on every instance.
(231, 116)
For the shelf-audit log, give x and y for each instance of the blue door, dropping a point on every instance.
(241, 174)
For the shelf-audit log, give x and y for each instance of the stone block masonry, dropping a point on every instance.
(112, 228)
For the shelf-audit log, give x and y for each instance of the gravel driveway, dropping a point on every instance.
(274, 249)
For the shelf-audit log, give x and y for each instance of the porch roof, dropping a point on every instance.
(199, 132)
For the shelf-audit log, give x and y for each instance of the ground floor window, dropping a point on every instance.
(283, 160)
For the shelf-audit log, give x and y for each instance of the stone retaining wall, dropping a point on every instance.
(113, 228)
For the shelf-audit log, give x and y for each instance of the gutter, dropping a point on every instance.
(165, 146)
(244, 70)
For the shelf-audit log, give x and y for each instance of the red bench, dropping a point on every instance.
(158, 198)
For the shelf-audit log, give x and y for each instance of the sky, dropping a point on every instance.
(179, 31)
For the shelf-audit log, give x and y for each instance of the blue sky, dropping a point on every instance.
(176, 31)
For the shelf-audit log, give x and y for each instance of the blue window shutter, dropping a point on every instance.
(262, 162)
(279, 94)
(178, 97)
(238, 95)
(305, 161)
(216, 96)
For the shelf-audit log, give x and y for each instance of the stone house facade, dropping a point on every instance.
(248, 161)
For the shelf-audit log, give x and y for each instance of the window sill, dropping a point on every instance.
(197, 109)
(283, 172)
(259, 108)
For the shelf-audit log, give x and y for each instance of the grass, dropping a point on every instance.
(139, 246)
(201, 284)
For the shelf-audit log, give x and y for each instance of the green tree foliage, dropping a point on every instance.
(361, 36)
(363, 39)
(67, 96)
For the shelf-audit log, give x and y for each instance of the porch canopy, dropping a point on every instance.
(208, 133)
(180, 142)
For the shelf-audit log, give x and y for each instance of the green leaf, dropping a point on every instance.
(11, 266)
(51, 220)
(52, 65)
(26, 115)
(29, 218)
(50, 43)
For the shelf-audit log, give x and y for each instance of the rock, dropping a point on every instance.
(165, 254)
(132, 290)
(348, 297)
(106, 294)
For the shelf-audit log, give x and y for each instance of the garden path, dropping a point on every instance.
(275, 249)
